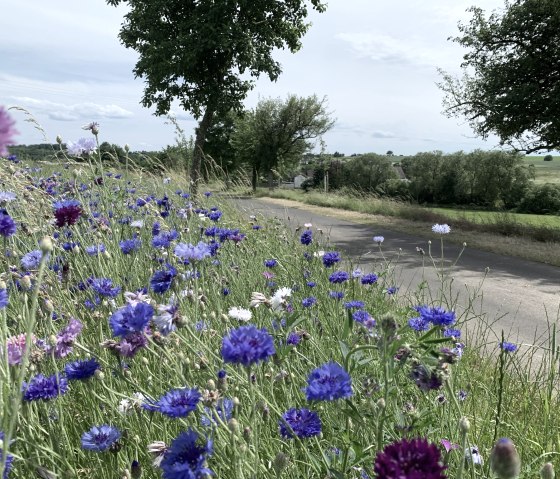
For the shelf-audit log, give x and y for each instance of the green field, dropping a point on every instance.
(545, 171)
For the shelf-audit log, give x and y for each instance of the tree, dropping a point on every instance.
(276, 134)
(204, 53)
(511, 75)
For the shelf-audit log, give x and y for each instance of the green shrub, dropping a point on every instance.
(541, 199)
(548, 158)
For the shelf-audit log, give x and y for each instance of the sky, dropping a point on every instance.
(375, 61)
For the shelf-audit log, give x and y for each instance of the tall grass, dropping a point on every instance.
(387, 362)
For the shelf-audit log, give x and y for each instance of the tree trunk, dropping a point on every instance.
(198, 154)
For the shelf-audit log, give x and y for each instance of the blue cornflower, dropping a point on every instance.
(330, 258)
(225, 291)
(363, 317)
(156, 228)
(455, 333)
(436, 315)
(299, 422)
(306, 237)
(419, 324)
(130, 245)
(508, 347)
(131, 318)
(32, 259)
(353, 304)
(370, 278)
(339, 277)
(328, 382)
(336, 294)
(223, 411)
(293, 339)
(308, 302)
(191, 252)
(247, 345)
(3, 298)
(100, 438)
(311, 284)
(162, 279)
(186, 457)
(45, 388)
(94, 250)
(7, 224)
(392, 290)
(215, 215)
(208, 194)
(163, 240)
(104, 287)
(270, 263)
(9, 459)
(83, 369)
(178, 402)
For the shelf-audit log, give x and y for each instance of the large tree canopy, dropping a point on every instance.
(204, 53)
(511, 75)
(277, 133)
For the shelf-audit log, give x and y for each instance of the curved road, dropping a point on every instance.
(492, 292)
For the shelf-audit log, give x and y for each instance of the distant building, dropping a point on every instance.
(298, 180)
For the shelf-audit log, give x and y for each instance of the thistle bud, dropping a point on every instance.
(547, 471)
(504, 460)
(280, 463)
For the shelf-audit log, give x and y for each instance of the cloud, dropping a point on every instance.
(73, 112)
(383, 134)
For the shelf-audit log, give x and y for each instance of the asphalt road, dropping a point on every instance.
(493, 292)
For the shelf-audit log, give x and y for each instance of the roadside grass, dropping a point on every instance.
(503, 233)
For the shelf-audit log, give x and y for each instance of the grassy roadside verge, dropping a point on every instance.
(501, 234)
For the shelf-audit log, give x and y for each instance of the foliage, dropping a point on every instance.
(276, 134)
(205, 53)
(510, 85)
(541, 199)
(548, 158)
(368, 172)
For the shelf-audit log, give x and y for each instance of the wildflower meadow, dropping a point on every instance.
(146, 332)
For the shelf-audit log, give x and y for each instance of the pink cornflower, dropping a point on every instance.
(7, 131)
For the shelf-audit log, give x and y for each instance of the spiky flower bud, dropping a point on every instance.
(280, 463)
(504, 460)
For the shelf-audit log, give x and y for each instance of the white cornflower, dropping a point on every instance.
(240, 314)
(441, 229)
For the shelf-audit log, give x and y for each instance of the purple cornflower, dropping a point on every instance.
(65, 339)
(330, 258)
(508, 347)
(7, 224)
(186, 457)
(270, 263)
(306, 237)
(84, 146)
(16, 348)
(299, 422)
(100, 438)
(7, 131)
(293, 339)
(452, 333)
(363, 317)
(130, 245)
(161, 280)
(215, 215)
(247, 345)
(370, 278)
(104, 287)
(392, 290)
(436, 315)
(408, 459)
(32, 259)
(3, 298)
(131, 318)
(208, 194)
(191, 252)
(419, 324)
(163, 240)
(328, 382)
(67, 212)
(354, 304)
(177, 402)
(308, 302)
(131, 344)
(82, 369)
(339, 277)
(44, 388)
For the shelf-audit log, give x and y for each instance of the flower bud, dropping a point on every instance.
(280, 463)
(46, 244)
(464, 425)
(233, 425)
(547, 471)
(504, 460)
(59, 139)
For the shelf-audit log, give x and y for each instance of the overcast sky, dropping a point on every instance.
(376, 62)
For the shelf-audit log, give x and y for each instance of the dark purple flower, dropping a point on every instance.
(215, 215)
(186, 457)
(425, 378)
(363, 317)
(131, 344)
(330, 258)
(419, 324)
(336, 294)
(247, 345)
(44, 388)
(67, 212)
(409, 459)
(293, 339)
(299, 422)
(306, 237)
(131, 318)
(328, 382)
(100, 438)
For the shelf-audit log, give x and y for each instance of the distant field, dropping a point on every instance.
(546, 171)
(490, 217)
